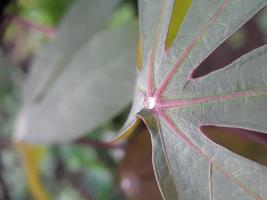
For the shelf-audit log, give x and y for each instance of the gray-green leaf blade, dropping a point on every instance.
(92, 85)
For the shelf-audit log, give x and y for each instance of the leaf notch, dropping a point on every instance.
(180, 9)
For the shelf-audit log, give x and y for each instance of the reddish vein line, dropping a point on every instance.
(189, 48)
(150, 79)
(195, 148)
(171, 124)
(227, 97)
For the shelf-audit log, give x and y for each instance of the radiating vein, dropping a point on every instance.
(189, 48)
(150, 79)
(221, 98)
(165, 154)
(202, 154)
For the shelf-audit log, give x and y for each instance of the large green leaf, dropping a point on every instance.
(76, 81)
(76, 30)
(174, 105)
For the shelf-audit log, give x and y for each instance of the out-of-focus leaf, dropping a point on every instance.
(10, 79)
(121, 15)
(84, 78)
(8, 74)
(31, 158)
(174, 105)
(137, 178)
(85, 169)
(4, 74)
(14, 173)
(43, 11)
(69, 193)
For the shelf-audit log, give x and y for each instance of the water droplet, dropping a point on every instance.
(150, 103)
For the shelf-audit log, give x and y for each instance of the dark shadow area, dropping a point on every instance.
(137, 179)
(249, 144)
(250, 36)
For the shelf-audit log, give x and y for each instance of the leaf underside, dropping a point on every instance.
(174, 105)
